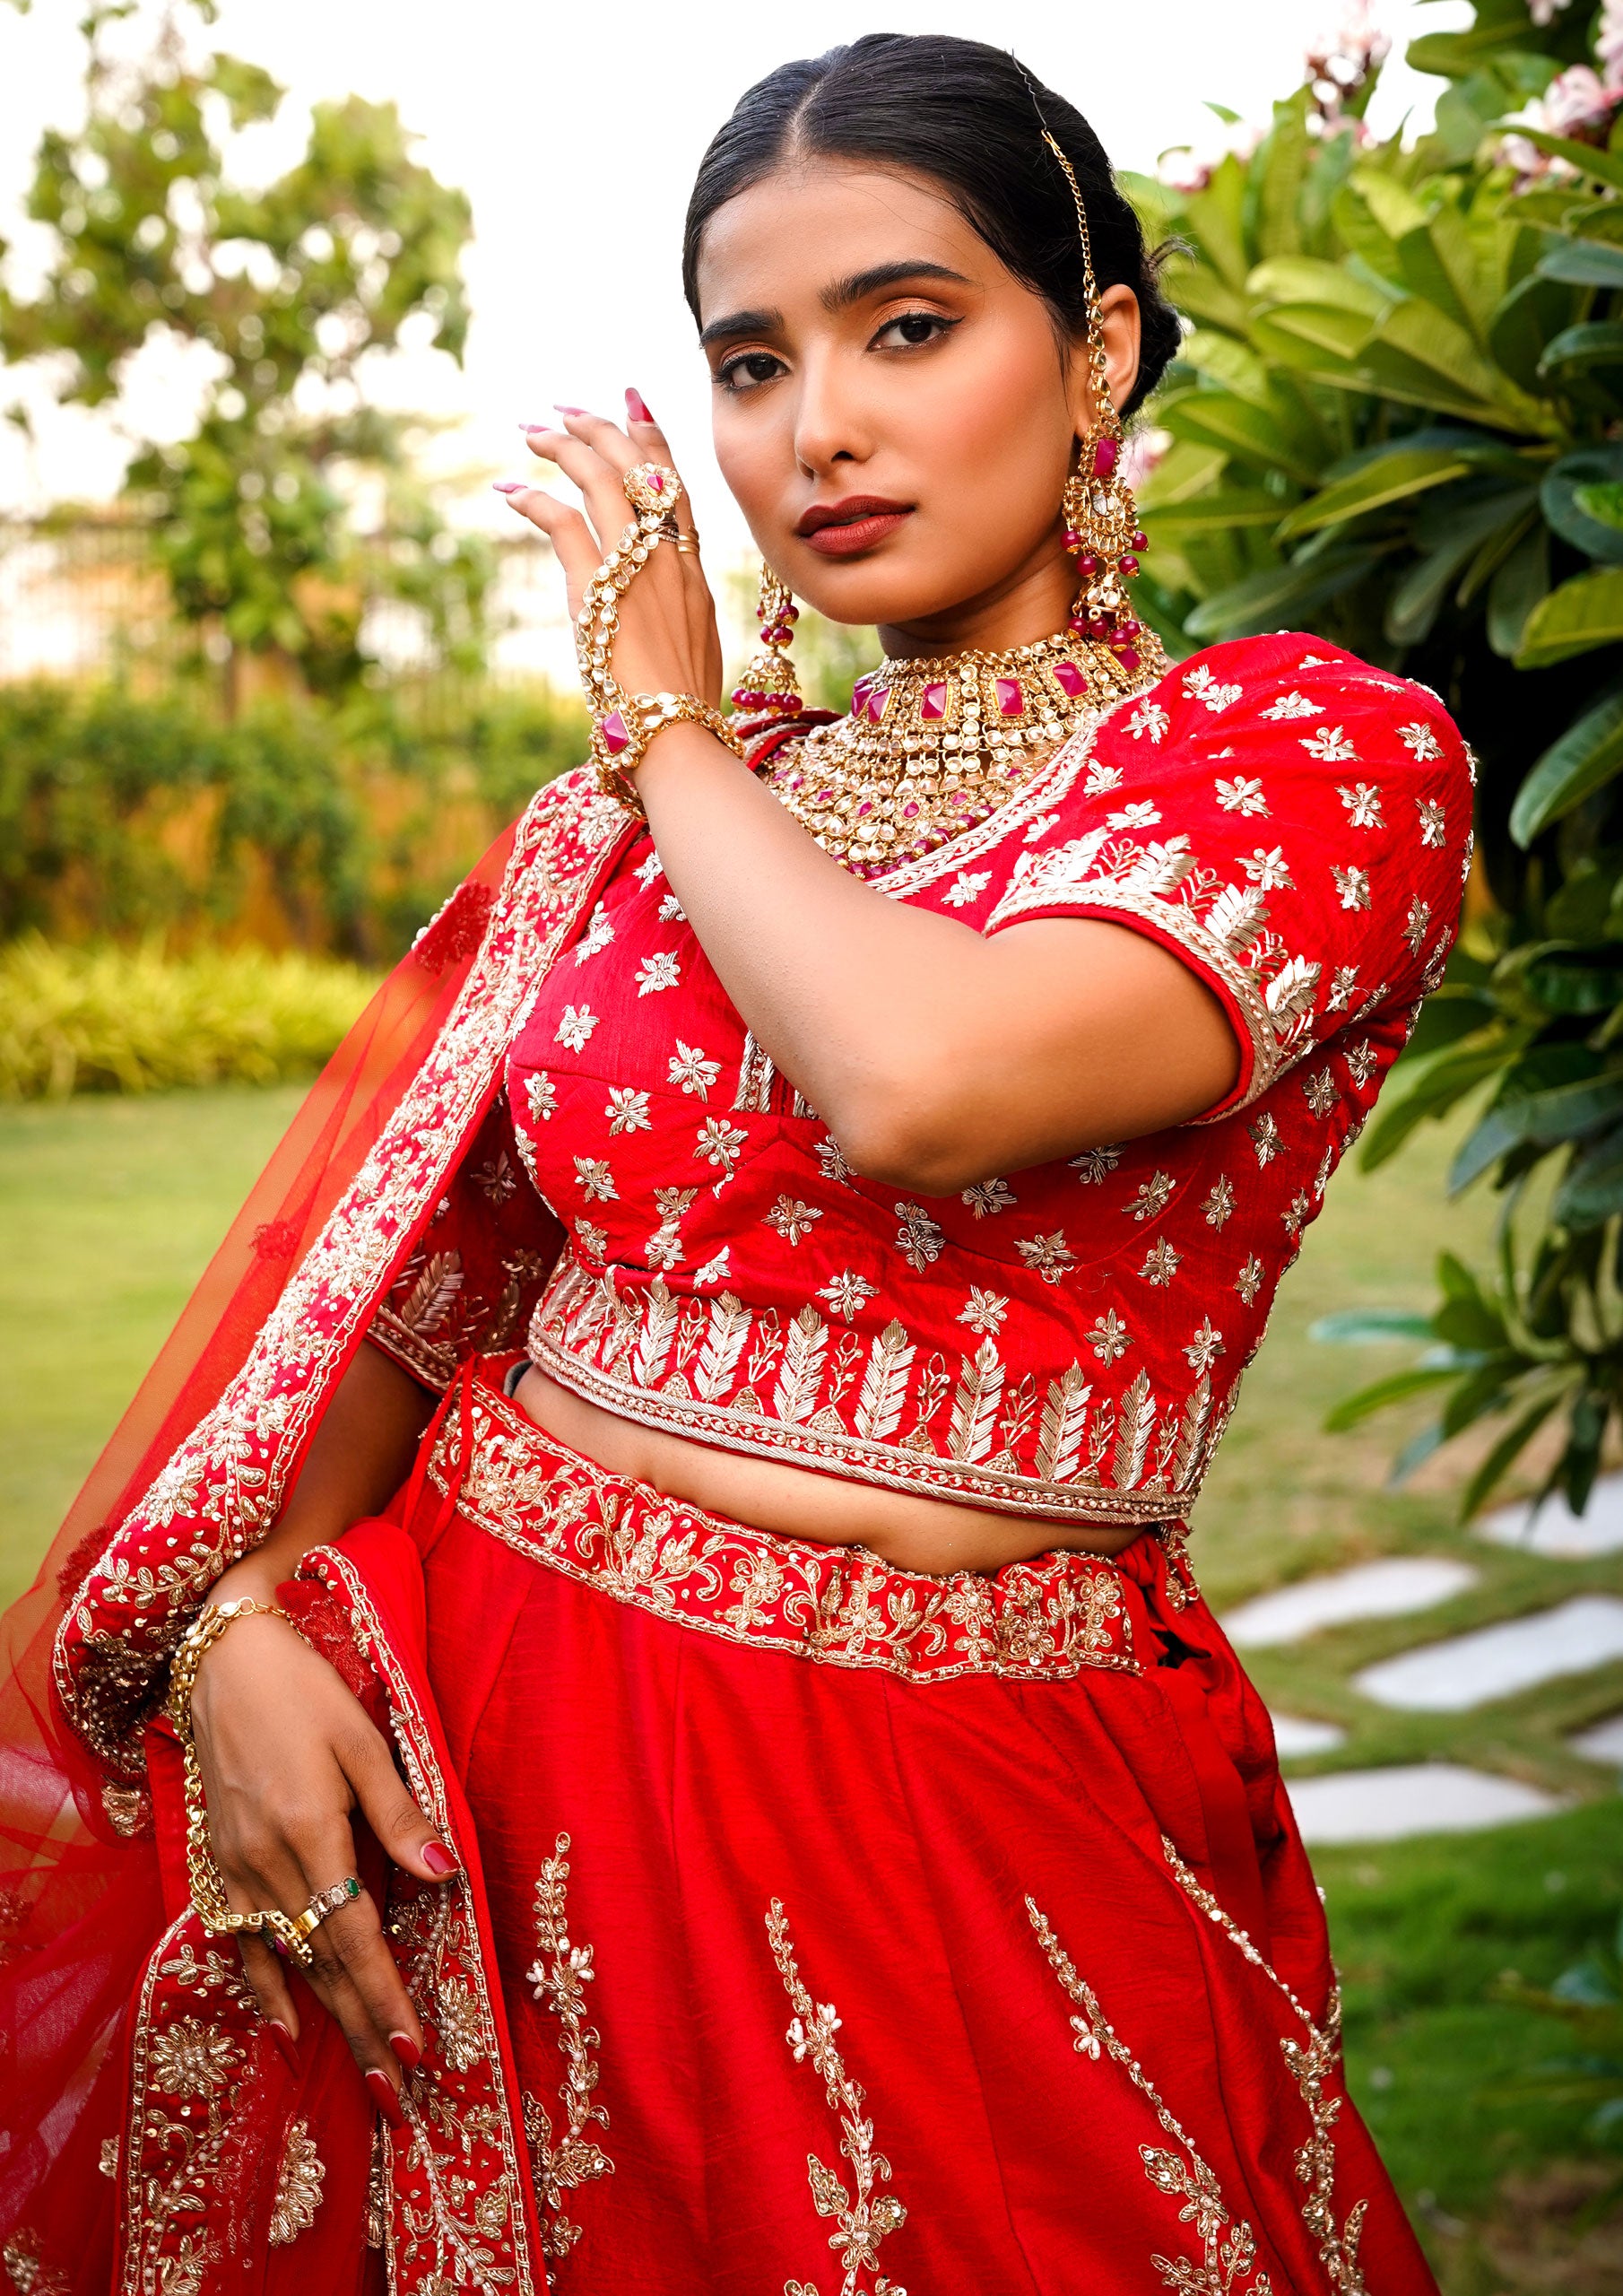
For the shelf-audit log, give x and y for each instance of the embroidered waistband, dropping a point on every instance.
(841, 1605)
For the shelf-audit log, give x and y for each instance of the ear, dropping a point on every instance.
(1120, 323)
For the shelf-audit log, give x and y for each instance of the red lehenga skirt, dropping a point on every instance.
(842, 1929)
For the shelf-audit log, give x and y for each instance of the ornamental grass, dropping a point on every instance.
(116, 1020)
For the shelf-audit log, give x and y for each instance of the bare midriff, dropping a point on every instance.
(914, 1534)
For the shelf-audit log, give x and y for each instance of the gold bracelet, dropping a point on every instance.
(622, 724)
(644, 715)
(203, 1877)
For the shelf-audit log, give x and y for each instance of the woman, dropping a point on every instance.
(751, 1774)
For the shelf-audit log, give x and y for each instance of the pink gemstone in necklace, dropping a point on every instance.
(615, 737)
(1069, 679)
(877, 700)
(932, 702)
(1011, 700)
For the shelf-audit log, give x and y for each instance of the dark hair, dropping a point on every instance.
(971, 118)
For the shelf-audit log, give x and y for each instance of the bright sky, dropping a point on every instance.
(576, 132)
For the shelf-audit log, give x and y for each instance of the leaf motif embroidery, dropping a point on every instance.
(658, 1330)
(803, 1367)
(729, 1327)
(975, 1407)
(1060, 1433)
(879, 1407)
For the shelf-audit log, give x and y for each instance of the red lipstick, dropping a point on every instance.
(846, 529)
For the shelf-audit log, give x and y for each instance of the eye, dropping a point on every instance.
(747, 369)
(911, 330)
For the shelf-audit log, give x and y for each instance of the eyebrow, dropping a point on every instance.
(839, 295)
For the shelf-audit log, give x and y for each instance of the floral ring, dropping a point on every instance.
(653, 488)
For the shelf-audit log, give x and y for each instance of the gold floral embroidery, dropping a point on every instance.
(447, 2193)
(559, 1975)
(836, 1606)
(862, 2219)
(1310, 2062)
(1227, 2264)
(298, 2188)
(27, 2271)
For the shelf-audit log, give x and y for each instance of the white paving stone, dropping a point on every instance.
(1294, 1733)
(1393, 1803)
(1387, 1590)
(1497, 1661)
(1602, 1742)
(1554, 1530)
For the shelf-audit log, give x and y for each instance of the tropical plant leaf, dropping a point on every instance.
(1369, 1327)
(1516, 590)
(1591, 1190)
(1391, 477)
(1582, 614)
(1529, 318)
(1302, 279)
(1397, 1387)
(1585, 759)
(1281, 594)
(1497, 1465)
(1583, 263)
(1540, 1119)
(1219, 418)
(1435, 1082)
(1597, 342)
(1576, 475)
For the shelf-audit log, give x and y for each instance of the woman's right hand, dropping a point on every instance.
(288, 1754)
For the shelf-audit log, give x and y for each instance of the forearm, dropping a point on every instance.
(844, 989)
(360, 1455)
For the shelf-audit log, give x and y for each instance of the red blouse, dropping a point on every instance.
(1064, 1341)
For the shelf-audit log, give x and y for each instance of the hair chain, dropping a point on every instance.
(1105, 411)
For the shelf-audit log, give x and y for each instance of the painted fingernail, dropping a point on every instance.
(530, 428)
(637, 408)
(406, 2049)
(285, 2043)
(507, 485)
(438, 1858)
(381, 2090)
(562, 409)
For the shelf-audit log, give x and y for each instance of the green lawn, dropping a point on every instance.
(111, 1207)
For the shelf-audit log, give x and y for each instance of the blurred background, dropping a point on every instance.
(277, 286)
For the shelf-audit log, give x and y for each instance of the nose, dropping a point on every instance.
(829, 426)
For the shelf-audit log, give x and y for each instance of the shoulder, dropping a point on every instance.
(1294, 698)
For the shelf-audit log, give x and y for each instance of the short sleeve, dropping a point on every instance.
(1293, 823)
(472, 1281)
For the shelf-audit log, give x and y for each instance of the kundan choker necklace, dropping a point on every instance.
(933, 745)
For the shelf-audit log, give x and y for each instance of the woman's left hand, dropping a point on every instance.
(668, 641)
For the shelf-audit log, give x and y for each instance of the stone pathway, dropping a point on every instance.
(1553, 1529)
(1392, 1588)
(1498, 1661)
(1392, 1804)
(1602, 1741)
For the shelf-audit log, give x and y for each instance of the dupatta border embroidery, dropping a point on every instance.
(223, 1485)
(453, 2208)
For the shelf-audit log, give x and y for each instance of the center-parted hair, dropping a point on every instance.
(971, 118)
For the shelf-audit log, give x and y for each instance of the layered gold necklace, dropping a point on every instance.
(933, 745)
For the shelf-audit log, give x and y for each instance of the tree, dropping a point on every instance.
(294, 290)
(1398, 420)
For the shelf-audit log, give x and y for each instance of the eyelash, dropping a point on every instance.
(936, 320)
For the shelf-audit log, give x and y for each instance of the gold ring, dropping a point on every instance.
(688, 545)
(653, 487)
(327, 1901)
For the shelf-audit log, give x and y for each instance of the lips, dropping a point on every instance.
(845, 529)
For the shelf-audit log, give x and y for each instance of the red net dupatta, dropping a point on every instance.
(193, 1476)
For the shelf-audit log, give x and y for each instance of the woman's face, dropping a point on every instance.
(892, 410)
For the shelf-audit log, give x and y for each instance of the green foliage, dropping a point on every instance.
(1588, 1998)
(288, 288)
(335, 828)
(1397, 420)
(135, 1020)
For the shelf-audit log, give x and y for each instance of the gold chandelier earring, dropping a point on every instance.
(769, 688)
(1102, 530)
